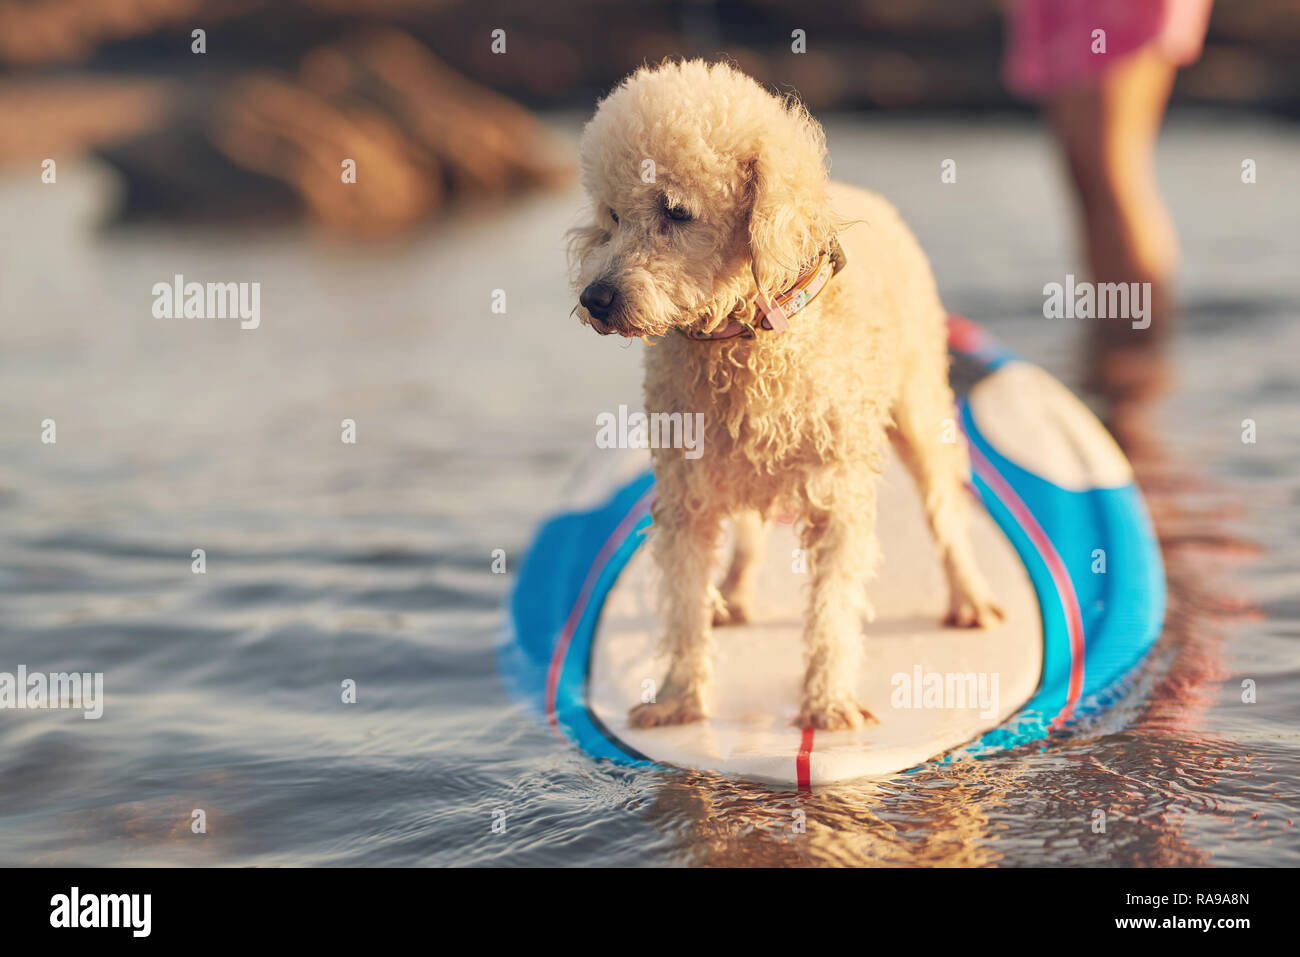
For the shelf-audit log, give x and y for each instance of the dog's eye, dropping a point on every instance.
(613, 215)
(678, 213)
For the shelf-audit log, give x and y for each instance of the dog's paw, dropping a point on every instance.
(730, 611)
(969, 612)
(668, 709)
(843, 715)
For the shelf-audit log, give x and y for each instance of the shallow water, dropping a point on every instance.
(372, 562)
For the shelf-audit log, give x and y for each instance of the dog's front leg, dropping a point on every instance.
(683, 544)
(841, 548)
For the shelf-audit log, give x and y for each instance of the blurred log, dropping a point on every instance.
(420, 137)
(69, 115)
(482, 142)
(284, 132)
(173, 171)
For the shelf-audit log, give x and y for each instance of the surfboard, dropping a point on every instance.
(1062, 534)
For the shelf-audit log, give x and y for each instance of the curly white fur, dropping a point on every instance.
(704, 186)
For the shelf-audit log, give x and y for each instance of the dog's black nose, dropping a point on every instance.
(598, 299)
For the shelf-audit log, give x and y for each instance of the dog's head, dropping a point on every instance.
(704, 188)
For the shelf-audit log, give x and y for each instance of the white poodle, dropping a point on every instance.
(801, 317)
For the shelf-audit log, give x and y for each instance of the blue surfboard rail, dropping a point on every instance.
(1096, 627)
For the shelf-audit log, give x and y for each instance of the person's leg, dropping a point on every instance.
(1108, 133)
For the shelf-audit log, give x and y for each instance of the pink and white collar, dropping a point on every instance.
(775, 314)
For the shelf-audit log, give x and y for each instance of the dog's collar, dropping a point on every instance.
(775, 314)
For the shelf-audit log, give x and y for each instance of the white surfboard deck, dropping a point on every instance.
(759, 666)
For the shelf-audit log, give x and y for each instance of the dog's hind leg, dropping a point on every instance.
(934, 450)
(736, 594)
(842, 551)
(683, 543)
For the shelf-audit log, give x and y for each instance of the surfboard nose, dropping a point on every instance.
(1052, 434)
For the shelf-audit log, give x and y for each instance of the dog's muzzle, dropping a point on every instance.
(599, 299)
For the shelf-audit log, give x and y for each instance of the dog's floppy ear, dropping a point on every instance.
(790, 219)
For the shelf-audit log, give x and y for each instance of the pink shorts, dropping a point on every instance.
(1050, 42)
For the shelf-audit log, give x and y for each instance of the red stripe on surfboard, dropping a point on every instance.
(612, 545)
(965, 336)
(1060, 577)
(803, 761)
